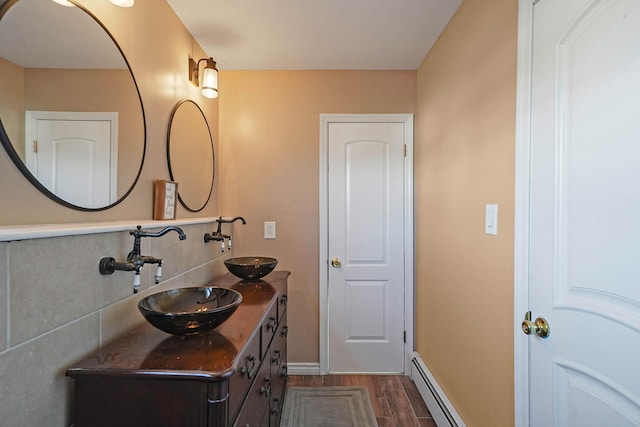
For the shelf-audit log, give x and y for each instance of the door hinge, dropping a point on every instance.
(35, 145)
(405, 150)
(405, 337)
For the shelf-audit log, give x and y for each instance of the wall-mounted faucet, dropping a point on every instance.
(218, 236)
(135, 259)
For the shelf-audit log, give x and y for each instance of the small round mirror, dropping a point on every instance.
(190, 155)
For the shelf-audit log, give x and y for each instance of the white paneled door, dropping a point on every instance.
(74, 155)
(584, 231)
(366, 288)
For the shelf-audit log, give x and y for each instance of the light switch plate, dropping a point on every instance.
(491, 219)
(269, 229)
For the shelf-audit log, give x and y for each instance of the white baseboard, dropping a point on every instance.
(303, 368)
(442, 411)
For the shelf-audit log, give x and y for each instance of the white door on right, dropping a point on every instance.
(585, 213)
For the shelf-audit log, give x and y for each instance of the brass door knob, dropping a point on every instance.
(335, 262)
(539, 327)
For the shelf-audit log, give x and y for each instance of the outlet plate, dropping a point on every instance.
(269, 229)
(491, 220)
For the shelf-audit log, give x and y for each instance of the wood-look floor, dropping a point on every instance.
(395, 398)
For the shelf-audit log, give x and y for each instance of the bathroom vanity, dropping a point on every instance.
(234, 375)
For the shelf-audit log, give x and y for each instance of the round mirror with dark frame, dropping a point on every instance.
(71, 115)
(190, 155)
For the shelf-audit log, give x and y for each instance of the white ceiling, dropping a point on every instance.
(316, 34)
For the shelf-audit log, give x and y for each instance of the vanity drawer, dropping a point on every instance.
(282, 302)
(279, 345)
(268, 329)
(255, 409)
(247, 370)
(278, 370)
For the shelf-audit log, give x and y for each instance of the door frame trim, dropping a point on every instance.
(407, 120)
(521, 282)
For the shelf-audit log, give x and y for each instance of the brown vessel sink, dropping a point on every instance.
(250, 267)
(190, 311)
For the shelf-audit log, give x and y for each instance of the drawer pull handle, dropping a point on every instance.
(266, 389)
(283, 300)
(276, 357)
(275, 408)
(285, 331)
(249, 371)
(271, 324)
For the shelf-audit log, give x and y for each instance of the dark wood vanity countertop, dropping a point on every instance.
(212, 356)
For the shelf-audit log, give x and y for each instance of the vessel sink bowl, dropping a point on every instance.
(189, 311)
(251, 267)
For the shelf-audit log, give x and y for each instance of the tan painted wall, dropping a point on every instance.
(465, 132)
(269, 161)
(157, 46)
(12, 100)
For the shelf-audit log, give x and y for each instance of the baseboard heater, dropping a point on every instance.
(443, 413)
(303, 368)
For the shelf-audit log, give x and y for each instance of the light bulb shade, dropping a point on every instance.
(209, 93)
(210, 80)
(122, 3)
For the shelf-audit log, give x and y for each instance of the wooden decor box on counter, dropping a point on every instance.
(233, 375)
(165, 199)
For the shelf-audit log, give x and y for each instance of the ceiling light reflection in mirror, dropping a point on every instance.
(62, 60)
(64, 3)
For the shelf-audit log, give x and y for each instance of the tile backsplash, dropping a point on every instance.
(4, 301)
(55, 308)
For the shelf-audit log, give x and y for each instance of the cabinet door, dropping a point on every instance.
(111, 401)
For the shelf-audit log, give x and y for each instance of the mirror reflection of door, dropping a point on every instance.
(74, 155)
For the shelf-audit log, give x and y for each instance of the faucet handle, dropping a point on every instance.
(136, 282)
(158, 272)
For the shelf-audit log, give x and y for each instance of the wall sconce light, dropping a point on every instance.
(123, 3)
(209, 76)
